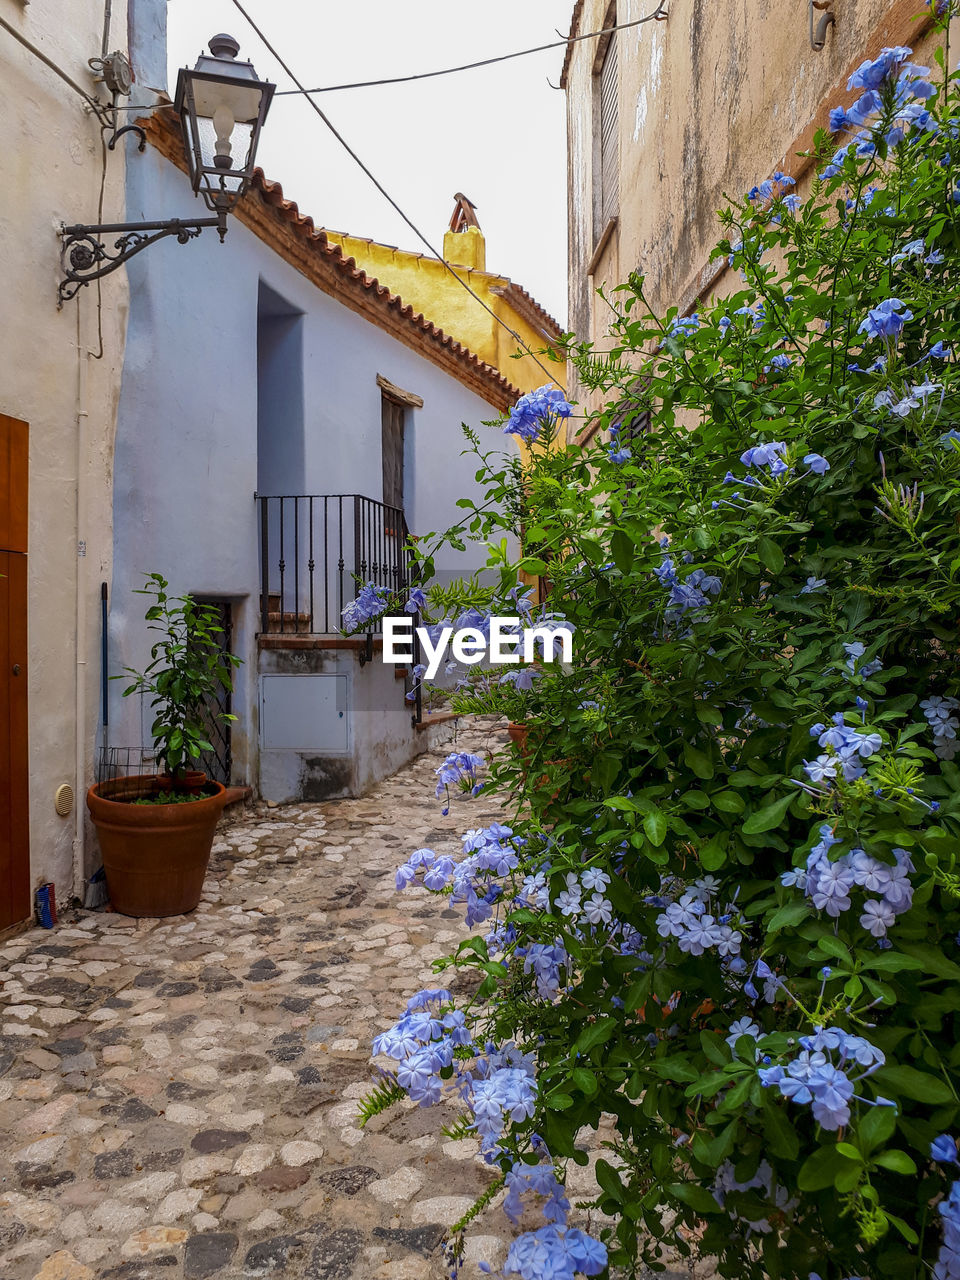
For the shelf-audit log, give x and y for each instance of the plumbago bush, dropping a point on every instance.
(724, 903)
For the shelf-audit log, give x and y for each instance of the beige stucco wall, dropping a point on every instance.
(50, 172)
(711, 101)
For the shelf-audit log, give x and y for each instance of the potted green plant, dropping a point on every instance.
(156, 831)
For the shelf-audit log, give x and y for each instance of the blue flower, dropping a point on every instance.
(537, 411)
(835, 166)
(817, 463)
(417, 601)
(764, 454)
(944, 1149)
(619, 456)
(914, 249)
(839, 120)
(812, 584)
(742, 1027)
(370, 603)
(778, 362)
(873, 75)
(886, 320)
(822, 769)
(553, 1254)
(684, 326)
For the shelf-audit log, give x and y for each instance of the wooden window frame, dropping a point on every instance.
(605, 196)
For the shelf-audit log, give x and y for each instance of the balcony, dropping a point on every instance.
(315, 552)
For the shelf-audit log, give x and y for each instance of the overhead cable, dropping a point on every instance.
(386, 195)
(95, 106)
(658, 15)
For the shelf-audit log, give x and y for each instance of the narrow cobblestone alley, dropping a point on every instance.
(182, 1094)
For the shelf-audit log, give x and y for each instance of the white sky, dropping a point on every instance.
(496, 133)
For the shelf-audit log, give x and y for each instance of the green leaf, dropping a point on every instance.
(559, 1101)
(655, 827)
(770, 816)
(819, 1169)
(622, 550)
(585, 1081)
(728, 802)
(692, 1194)
(713, 854)
(905, 1230)
(908, 1082)
(790, 913)
(779, 1131)
(595, 1034)
(609, 1180)
(715, 1048)
(897, 1161)
(876, 1127)
(698, 762)
(771, 557)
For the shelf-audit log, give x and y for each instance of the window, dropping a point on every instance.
(394, 403)
(606, 169)
(393, 421)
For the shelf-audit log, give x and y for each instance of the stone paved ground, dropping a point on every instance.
(179, 1098)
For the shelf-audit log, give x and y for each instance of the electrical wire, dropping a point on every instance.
(658, 15)
(97, 107)
(386, 195)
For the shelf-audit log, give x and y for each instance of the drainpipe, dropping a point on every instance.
(108, 6)
(80, 618)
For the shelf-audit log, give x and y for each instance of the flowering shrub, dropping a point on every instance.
(725, 911)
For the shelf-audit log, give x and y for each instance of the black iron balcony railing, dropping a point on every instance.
(316, 550)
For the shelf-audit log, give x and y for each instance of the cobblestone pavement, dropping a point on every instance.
(179, 1097)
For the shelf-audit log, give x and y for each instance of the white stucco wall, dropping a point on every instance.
(55, 375)
(187, 441)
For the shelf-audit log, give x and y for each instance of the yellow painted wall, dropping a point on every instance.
(430, 288)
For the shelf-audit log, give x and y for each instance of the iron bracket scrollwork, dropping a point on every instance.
(86, 257)
(365, 655)
(129, 128)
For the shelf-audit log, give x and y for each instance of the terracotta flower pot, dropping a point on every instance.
(193, 781)
(154, 856)
(518, 736)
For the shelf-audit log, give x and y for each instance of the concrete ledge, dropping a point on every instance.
(350, 643)
(436, 717)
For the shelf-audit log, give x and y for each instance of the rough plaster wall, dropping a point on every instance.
(50, 376)
(709, 102)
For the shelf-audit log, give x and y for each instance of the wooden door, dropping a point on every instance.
(14, 795)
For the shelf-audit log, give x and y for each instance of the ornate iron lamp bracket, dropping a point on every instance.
(86, 257)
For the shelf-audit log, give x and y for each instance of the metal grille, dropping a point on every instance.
(314, 552)
(218, 762)
(607, 197)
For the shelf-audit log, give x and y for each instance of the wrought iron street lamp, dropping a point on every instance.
(222, 106)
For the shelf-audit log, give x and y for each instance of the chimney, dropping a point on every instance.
(463, 244)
